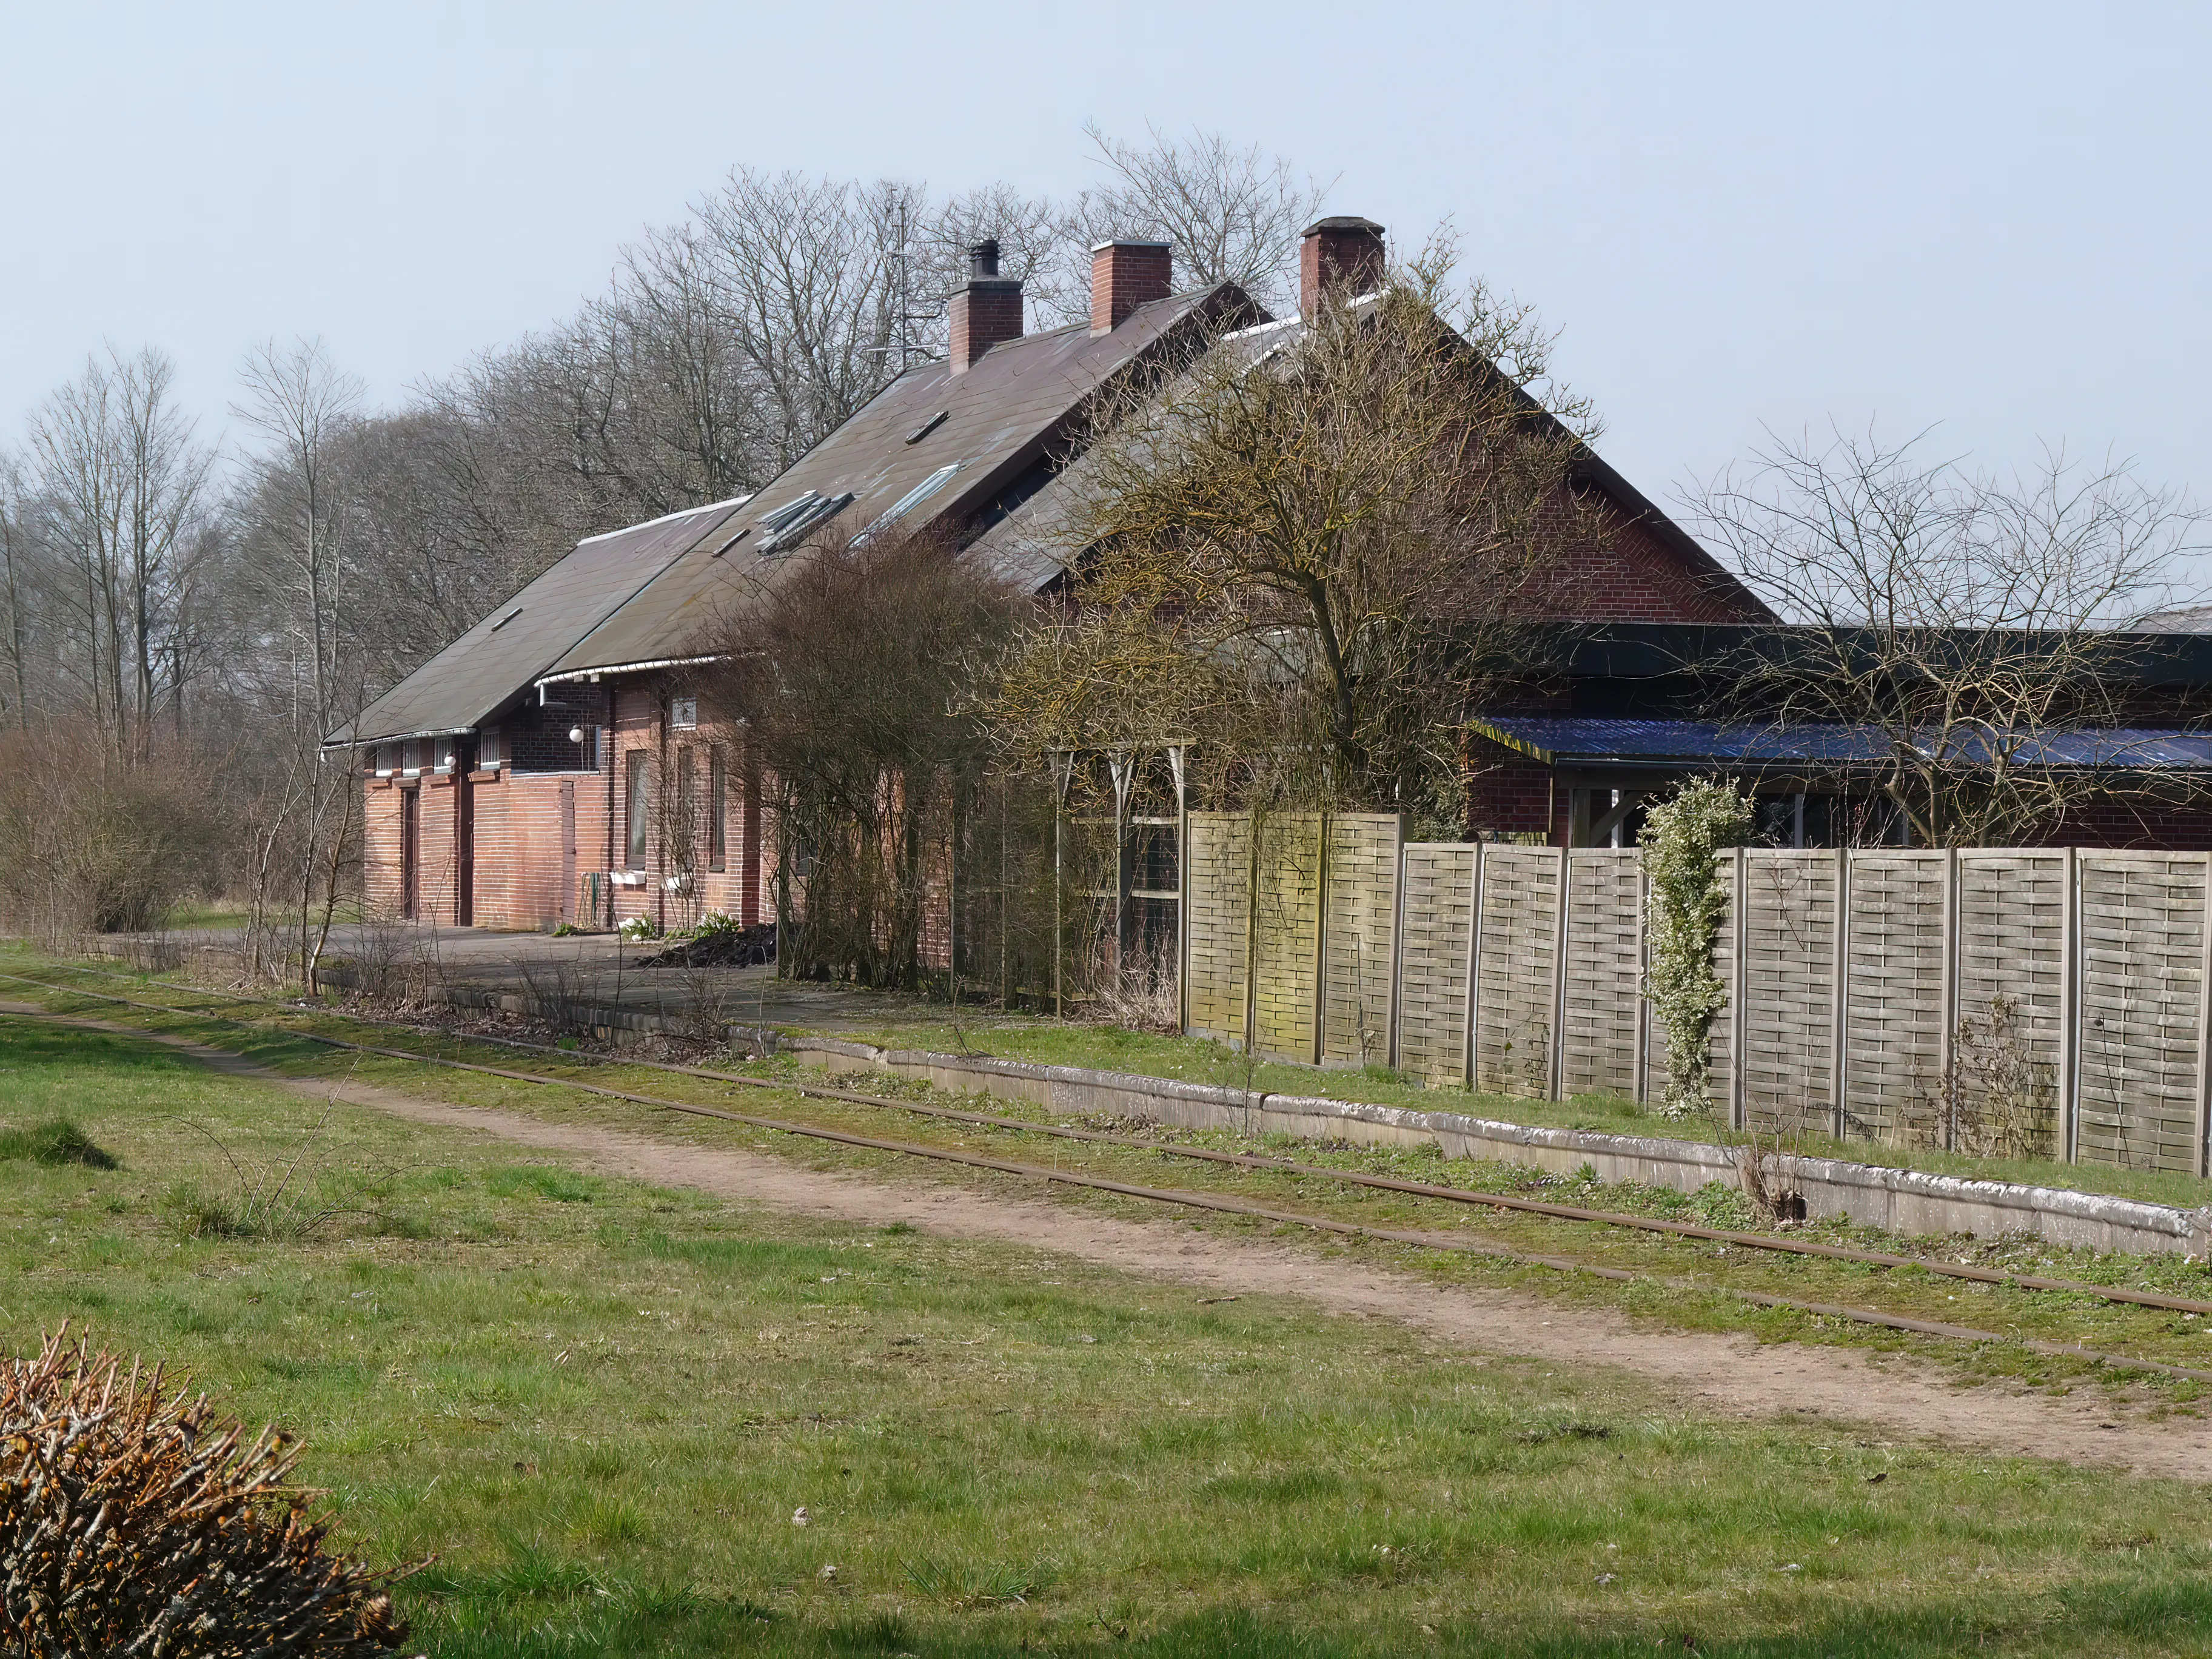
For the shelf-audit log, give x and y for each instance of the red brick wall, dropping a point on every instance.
(517, 846)
(1508, 793)
(1124, 276)
(985, 313)
(1619, 571)
(380, 875)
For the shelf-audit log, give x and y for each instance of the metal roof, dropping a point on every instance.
(1561, 740)
(1001, 417)
(500, 658)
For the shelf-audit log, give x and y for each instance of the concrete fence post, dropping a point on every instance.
(1557, 1076)
(1839, 1017)
(1946, 1059)
(1473, 969)
(2070, 1008)
(1740, 940)
(2204, 1025)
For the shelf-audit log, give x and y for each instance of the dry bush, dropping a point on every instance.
(92, 844)
(135, 1519)
(1140, 989)
(852, 667)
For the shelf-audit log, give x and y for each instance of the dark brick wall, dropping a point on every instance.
(1507, 793)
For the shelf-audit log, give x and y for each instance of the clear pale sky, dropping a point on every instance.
(1991, 217)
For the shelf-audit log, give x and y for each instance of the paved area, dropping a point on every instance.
(594, 968)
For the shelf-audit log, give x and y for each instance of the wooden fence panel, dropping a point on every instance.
(1789, 986)
(1432, 960)
(2141, 963)
(1520, 953)
(1218, 921)
(1286, 934)
(2011, 999)
(1604, 999)
(1720, 1036)
(1894, 1037)
(1360, 940)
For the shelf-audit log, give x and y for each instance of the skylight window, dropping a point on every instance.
(789, 512)
(790, 525)
(907, 503)
(507, 618)
(927, 427)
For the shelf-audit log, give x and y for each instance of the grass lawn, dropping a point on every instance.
(602, 1404)
(1198, 1059)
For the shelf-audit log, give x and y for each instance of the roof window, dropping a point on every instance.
(507, 618)
(927, 427)
(792, 523)
(907, 503)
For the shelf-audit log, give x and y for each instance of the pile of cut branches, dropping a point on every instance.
(134, 1519)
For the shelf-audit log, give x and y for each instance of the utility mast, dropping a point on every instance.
(898, 222)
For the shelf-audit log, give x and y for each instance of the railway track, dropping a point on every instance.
(1205, 1200)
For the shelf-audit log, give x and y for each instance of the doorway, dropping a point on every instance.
(410, 854)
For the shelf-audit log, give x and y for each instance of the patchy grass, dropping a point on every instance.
(1198, 1059)
(1684, 1282)
(55, 1142)
(603, 1404)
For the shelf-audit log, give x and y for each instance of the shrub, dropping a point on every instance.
(1681, 837)
(92, 844)
(134, 1518)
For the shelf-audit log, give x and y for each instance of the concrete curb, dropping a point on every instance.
(1906, 1201)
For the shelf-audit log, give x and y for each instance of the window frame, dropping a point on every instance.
(717, 807)
(637, 803)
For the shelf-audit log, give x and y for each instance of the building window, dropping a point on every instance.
(683, 714)
(488, 747)
(639, 794)
(685, 830)
(718, 796)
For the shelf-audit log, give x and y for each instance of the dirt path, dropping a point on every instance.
(1729, 1376)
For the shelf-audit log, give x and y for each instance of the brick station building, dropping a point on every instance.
(556, 761)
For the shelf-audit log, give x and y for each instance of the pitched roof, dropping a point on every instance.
(1556, 739)
(496, 661)
(1000, 423)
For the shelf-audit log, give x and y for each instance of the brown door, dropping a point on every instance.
(411, 854)
(464, 850)
(568, 906)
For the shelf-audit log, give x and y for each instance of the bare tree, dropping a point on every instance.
(1961, 620)
(1233, 213)
(123, 485)
(300, 404)
(851, 670)
(1308, 549)
(15, 578)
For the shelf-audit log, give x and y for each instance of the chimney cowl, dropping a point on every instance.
(1127, 275)
(1343, 251)
(983, 257)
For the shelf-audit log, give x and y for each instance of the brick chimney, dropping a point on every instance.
(1124, 276)
(1344, 252)
(985, 312)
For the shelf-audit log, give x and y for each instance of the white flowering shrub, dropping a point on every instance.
(1681, 839)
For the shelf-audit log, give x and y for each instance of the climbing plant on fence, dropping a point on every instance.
(1682, 836)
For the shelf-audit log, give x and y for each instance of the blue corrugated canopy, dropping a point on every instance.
(1565, 740)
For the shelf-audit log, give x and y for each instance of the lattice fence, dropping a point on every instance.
(2022, 1003)
(1436, 947)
